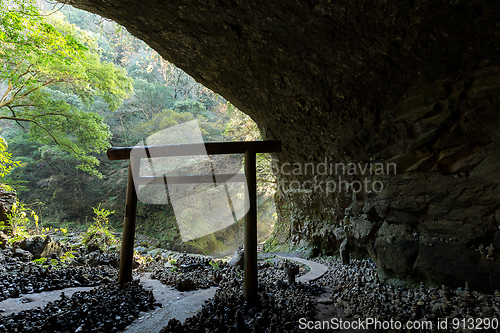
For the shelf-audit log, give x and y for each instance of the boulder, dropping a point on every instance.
(35, 245)
(52, 248)
(155, 252)
(185, 285)
(41, 247)
(93, 246)
(238, 259)
(141, 250)
(19, 253)
(396, 250)
(344, 252)
(92, 259)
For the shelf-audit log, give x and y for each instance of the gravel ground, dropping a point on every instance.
(106, 308)
(278, 309)
(356, 289)
(353, 289)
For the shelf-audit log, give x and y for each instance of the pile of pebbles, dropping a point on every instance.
(36, 278)
(357, 289)
(106, 308)
(191, 272)
(96, 258)
(26, 277)
(277, 309)
(275, 268)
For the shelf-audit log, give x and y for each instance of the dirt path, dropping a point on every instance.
(175, 304)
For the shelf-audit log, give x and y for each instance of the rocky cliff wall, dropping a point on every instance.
(424, 192)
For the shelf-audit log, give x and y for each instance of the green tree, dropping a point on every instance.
(6, 162)
(49, 70)
(191, 106)
(241, 127)
(150, 98)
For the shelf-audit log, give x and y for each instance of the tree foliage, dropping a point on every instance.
(6, 162)
(49, 68)
(241, 127)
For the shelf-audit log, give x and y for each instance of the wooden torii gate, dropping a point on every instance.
(249, 148)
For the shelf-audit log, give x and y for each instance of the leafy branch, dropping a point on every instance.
(44, 59)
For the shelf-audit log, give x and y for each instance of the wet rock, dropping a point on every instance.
(185, 285)
(155, 252)
(18, 253)
(35, 245)
(325, 301)
(238, 258)
(344, 252)
(141, 250)
(93, 246)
